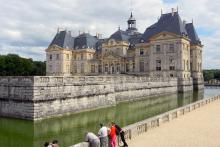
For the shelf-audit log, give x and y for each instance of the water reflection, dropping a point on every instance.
(70, 129)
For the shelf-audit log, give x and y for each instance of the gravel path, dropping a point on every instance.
(199, 128)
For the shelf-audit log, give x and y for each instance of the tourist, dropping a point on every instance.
(55, 143)
(103, 135)
(121, 133)
(47, 144)
(113, 135)
(92, 139)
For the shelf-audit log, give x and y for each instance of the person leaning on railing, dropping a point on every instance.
(120, 132)
(92, 139)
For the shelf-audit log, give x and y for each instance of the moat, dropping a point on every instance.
(70, 129)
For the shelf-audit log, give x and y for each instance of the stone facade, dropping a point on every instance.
(41, 97)
(168, 48)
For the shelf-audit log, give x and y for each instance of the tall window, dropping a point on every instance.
(133, 66)
(75, 68)
(58, 56)
(106, 67)
(92, 68)
(112, 68)
(100, 68)
(141, 66)
(141, 52)
(67, 56)
(81, 56)
(158, 64)
(172, 65)
(118, 67)
(184, 66)
(51, 57)
(157, 48)
(191, 66)
(68, 68)
(82, 68)
(127, 67)
(187, 65)
(172, 48)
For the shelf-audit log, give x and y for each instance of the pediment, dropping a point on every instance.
(53, 48)
(164, 36)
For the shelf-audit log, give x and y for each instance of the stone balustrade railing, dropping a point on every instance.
(29, 80)
(144, 126)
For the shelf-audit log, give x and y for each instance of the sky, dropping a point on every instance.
(28, 26)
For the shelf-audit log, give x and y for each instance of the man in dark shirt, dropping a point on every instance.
(121, 133)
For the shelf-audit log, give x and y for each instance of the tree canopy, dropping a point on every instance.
(13, 65)
(211, 74)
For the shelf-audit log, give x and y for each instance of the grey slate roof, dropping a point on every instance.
(134, 39)
(63, 39)
(167, 22)
(192, 34)
(120, 36)
(170, 22)
(85, 40)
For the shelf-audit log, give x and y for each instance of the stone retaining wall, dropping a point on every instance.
(134, 130)
(46, 96)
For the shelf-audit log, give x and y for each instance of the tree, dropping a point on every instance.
(13, 65)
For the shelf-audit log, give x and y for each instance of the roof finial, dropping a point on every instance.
(131, 7)
(119, 27)
(58, 30)
(161, 11)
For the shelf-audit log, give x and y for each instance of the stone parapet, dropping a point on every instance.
(47, 96)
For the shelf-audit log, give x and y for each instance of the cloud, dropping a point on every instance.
(27, 27)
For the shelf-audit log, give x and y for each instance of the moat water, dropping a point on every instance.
(70, 129)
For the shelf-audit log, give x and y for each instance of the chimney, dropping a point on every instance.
(184, 22)
(97, 35)
(172, 11)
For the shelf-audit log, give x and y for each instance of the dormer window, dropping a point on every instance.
(141, 52)
(157, 48)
